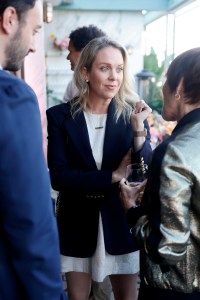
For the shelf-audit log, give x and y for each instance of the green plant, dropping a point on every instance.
(51, 99)
(151, 64)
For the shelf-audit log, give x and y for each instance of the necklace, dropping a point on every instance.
(96, 121)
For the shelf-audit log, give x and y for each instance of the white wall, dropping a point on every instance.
(125, 27)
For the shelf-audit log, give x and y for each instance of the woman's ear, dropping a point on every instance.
(180, 87)
(180, 90)
(85, 74)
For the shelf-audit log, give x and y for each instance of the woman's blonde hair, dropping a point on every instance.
(125, 99)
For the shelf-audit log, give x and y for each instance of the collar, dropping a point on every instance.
(192, 116)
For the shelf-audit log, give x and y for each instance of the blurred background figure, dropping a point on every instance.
(79, 38)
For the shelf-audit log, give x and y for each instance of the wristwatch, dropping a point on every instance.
(140, 133)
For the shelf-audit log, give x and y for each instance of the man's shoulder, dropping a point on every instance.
(7, 77)
(12, 86)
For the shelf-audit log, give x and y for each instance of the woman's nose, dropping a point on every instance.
(112, 75)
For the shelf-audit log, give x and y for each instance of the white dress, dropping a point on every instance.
(101, 263)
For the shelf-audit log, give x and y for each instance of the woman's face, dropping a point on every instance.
(170, 106)
(106, 75)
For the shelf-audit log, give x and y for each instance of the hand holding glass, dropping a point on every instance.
(135, 174)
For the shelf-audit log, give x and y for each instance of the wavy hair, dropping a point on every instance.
(125, 99)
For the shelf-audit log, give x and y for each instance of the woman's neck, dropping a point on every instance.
(99, 106)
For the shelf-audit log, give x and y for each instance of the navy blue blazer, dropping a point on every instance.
(29, 247)
(84, 191)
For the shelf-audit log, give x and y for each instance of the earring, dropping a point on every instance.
(87, 80)
(177, 96)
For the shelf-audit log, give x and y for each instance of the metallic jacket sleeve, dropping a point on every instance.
(166, 230)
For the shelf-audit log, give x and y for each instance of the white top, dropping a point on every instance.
(101, 264)
(96, 125)
(71, 91)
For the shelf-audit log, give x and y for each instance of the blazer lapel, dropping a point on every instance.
(114, 142)
(77, 130)
(115, 136)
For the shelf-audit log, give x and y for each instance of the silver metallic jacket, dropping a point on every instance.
(169, 229)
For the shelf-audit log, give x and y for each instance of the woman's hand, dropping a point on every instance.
(139, 114)
(131, 195)
(118, 174)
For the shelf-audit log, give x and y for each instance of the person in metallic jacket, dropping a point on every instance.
(167, 224)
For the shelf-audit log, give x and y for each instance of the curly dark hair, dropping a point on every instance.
(81, 36)
(21, 6)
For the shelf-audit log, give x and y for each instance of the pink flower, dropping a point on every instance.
(61, 44)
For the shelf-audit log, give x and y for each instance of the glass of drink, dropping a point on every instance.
(135, 174)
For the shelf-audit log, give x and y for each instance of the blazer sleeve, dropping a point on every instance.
(146, 151)
(26, 211)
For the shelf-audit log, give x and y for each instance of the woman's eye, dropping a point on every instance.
(104, 69)
(36, 31)
(119, 70)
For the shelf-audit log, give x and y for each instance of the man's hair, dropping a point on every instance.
(81, 36)
(21, 6)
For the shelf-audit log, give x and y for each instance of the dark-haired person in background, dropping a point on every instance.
(79, 38)
(167, 224)
(29, 248)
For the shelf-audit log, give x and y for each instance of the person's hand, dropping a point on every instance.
(139, 114)
(118, 174)
(131, 194)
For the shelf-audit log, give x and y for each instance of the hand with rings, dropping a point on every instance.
(131, 194)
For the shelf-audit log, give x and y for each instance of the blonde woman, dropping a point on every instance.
(92, 139)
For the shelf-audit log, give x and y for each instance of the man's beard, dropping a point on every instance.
(15, 53)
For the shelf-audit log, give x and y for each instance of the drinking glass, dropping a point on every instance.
(136, 173)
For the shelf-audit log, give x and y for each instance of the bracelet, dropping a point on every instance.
(140, 133)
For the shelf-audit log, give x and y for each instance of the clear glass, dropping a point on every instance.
(136, 173)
